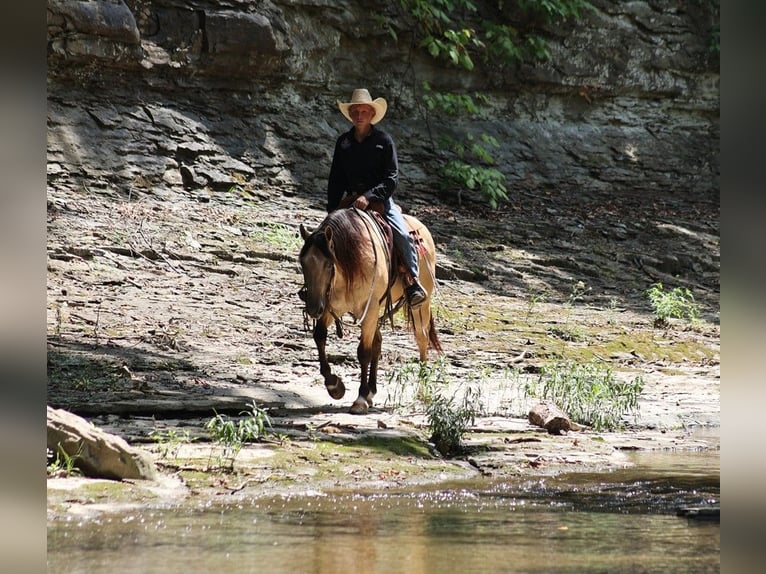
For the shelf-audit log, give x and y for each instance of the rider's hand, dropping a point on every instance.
(361, 202)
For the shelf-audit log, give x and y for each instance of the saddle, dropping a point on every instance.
(376, 210)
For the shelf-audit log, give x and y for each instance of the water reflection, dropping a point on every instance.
(616, 522)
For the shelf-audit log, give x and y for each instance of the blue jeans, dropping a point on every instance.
(402, 238)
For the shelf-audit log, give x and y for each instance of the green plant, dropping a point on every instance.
(578, 290)
(468, 162)
(61, 464)
(231, 435)
(83, 382)
(715, 39)
(555, 9)
(170, 441)
(278, 235)
(448, 421)
(415, 382)
(500, 35)
(503, 32)
(567, 332)
(678, 303)
(532, 301)
(589, 393)
(475, 174)
(452, 104)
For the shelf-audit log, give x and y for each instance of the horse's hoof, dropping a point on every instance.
(335, 387)
(359, 407)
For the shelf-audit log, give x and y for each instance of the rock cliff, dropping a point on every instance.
(148, 95)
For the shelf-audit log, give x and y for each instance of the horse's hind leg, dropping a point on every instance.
(368, 353)
(421, 322)
(332, 383)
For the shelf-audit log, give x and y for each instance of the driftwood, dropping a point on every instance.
(712, 512)
(547, 415)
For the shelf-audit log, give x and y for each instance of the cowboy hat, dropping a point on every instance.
(362, 96)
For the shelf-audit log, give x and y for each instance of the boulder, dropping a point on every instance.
(98, 454)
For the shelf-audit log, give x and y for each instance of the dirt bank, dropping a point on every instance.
(165, 306)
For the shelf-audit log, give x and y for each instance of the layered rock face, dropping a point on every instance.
(148, 96)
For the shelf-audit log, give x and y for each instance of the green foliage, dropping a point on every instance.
(452, 105)
(471, 161)
(278, 235)
(231, 435)
(552, 10)
(422, 384)
(503, 34)
(567, 331)
(678, 303)
(508, 32)
(61, 464)
(503, 43)
(170, 441)
(454, 46)
(589, 393)
(415, 382)
(448, 421)
(533, 299)
(715, 39)
(489, 181)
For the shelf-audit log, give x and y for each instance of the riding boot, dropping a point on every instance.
(415, 293)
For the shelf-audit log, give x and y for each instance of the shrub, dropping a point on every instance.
(448, 422)
(232, 435)
(678, 303)
(589, 393)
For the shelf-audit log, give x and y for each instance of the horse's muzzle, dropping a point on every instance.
(313, 308)
(314, 312)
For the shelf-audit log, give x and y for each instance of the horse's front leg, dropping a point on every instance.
(377, 344)
(332, 383)
(368, 353)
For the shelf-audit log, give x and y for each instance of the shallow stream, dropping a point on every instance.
(620, 521)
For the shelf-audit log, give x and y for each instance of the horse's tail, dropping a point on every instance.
(433, 336)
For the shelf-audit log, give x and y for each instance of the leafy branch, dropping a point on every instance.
(462, 33)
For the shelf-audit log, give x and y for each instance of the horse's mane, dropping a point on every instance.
(349, 235)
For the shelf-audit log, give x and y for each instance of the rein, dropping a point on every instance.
(370, 225)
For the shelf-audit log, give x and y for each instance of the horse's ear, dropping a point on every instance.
(328, 236)
(304, 234)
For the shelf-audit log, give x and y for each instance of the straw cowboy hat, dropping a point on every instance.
(362, 96)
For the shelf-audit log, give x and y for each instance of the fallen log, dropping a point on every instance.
(712, 512)
(549, 416)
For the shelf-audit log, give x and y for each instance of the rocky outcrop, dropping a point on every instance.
(96, 453)
(104, 30)
(146, 94)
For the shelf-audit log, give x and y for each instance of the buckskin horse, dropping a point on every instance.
(350, 267)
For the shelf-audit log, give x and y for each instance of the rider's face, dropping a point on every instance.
(361, 114)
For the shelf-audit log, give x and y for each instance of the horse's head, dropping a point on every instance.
(317, 261)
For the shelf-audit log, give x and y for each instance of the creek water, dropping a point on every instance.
(620, 521)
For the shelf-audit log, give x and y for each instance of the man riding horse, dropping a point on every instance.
(346, 261)
(365, 174)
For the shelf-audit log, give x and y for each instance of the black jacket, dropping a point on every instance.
(370, 168)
